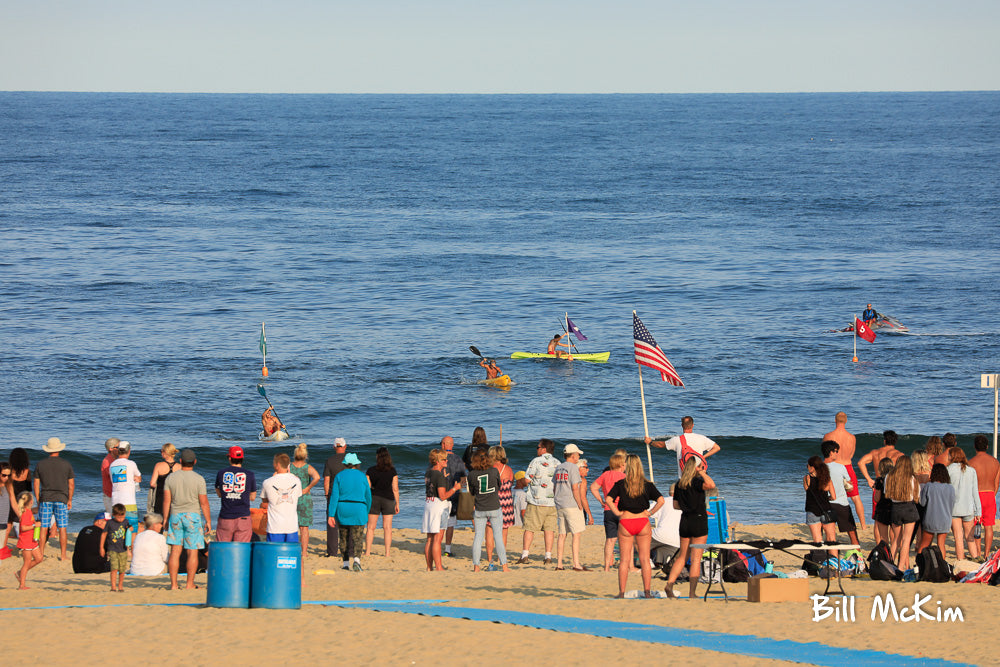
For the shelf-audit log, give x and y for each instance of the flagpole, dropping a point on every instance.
(569, 338)
(263, 350)
(645, 424)
(854, 329)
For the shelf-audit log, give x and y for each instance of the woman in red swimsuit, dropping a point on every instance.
(634, 494)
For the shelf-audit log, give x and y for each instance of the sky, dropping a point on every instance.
(505, 46)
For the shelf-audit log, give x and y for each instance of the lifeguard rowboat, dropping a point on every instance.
(595, 357)
(502, 381)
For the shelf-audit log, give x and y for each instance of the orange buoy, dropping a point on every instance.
(263, 371)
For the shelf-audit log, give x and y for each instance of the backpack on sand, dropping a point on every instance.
(880, 565)
(932, 565)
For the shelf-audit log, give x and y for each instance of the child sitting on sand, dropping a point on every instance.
(26, 541)
(115, 547)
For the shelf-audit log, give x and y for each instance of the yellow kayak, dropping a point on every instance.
(502, 381)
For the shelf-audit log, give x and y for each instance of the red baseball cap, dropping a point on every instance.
(236, 452)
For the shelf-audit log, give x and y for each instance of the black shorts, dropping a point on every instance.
(693, 525)
(382, 506)
(610, 525)
(883, 512)
(845, 517)
(904, 513)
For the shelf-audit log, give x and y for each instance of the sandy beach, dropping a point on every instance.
(72, 612)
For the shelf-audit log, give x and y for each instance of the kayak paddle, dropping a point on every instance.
(475, 351)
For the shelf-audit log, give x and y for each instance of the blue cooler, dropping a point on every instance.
(718, 521)
(228, 574)
(276, 575)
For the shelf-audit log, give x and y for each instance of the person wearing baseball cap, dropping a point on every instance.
(570, 499)
(185, 504)
(334, 465)
(236, 488)
(87, 557)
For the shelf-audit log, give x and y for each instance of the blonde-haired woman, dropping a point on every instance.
(162, 470)
(689, 498)
(307, 477)
(629, 500)
(498, 455)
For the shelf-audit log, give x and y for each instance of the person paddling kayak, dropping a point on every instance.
(270, 423)
(556, 343)
(492, 370)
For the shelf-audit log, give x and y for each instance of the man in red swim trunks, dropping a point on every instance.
(988, 472)
(847, 444)
(556, 343)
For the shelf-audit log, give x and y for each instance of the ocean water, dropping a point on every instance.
(146, 237)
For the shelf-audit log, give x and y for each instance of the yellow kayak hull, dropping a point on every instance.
(502, 381)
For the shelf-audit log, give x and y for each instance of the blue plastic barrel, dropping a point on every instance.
(228, 574)
(276, 575)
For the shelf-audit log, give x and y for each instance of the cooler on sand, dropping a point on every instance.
(276, 575)
(718, 521)
(228, 575)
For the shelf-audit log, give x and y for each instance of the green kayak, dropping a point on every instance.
(596, 357)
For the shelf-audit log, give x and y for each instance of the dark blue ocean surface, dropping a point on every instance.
(146, 237)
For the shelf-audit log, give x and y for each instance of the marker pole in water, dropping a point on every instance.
(263, 350)
(645, 424)
(854, 329)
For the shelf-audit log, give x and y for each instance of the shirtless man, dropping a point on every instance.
(492, 370)
(556, 343)
(270, 423)
(875, 456)
(948, 440)
(988, 472)
(847, 444)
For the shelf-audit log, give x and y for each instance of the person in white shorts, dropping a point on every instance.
(569, 496)
(436, 508)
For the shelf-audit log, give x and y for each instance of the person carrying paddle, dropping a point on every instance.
(556, 343)
(492, 370)
(270, 422)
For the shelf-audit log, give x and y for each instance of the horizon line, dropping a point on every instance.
(489, 94)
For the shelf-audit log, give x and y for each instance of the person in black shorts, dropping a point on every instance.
(385, 498)
(689, 498)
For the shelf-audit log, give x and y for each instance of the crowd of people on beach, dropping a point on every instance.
(917, 500)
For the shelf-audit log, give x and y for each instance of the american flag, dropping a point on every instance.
(648, 353)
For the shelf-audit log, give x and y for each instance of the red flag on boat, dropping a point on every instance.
(648, 353)
(862, 331)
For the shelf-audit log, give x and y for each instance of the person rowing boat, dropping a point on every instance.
(556, 343)
(270, 422)
(492, 370)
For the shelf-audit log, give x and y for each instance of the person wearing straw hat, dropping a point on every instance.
(54, 486)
